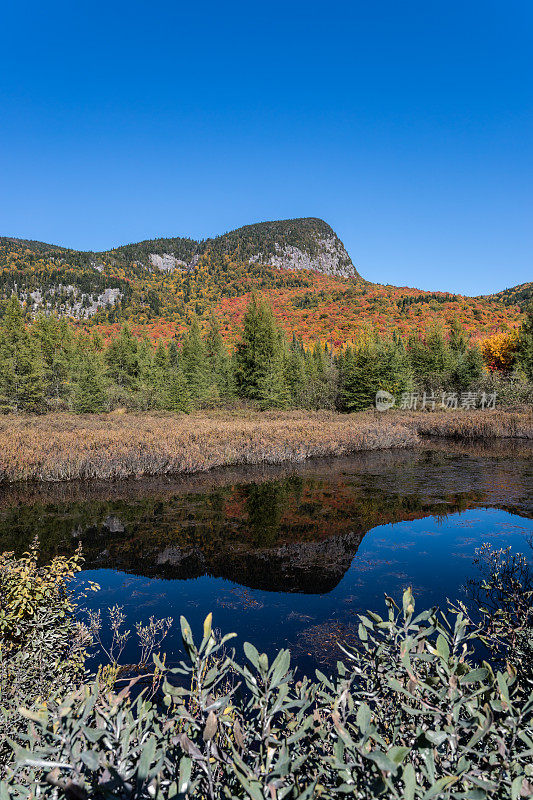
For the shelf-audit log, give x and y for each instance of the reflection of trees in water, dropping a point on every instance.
(275, 530)
(266, 504)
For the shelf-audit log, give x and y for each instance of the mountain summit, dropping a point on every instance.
(294, 244)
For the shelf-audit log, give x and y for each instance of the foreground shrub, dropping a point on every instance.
(410, 714)
(41, 644)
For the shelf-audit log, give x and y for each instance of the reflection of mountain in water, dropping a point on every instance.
(309, 567)
(285, 531)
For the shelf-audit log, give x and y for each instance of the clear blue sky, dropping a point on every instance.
(408, 126)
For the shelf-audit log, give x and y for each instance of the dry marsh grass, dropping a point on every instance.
(62, 447)
(59, 447)
(472, 425)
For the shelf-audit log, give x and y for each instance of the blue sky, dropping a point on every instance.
(408, 126)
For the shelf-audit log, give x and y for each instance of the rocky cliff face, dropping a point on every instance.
(329, 257)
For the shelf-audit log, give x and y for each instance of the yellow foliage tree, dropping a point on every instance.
(499, 351)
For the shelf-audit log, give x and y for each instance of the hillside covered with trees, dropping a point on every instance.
(300, 266)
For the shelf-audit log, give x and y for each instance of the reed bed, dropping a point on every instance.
(472, 425)
(62, 447)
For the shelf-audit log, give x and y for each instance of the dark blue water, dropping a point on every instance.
(285, 557)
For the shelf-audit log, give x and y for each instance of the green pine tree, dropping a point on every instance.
(57, 348)
(122, 359)
(262, 342)
(195, 364)
(22, 386)
(220, 362)
(377, 364)
(89, 395)
(176, 396)
(525, 344)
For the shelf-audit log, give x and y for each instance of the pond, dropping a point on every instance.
(284, 556)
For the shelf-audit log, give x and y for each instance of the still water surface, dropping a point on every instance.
(285, 556)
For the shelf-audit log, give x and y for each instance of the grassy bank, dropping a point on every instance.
(67, 446)
(59, 447)
(472, 425)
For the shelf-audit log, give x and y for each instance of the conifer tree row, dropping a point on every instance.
(46, 364)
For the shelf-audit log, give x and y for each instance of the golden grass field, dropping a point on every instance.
(63, 446)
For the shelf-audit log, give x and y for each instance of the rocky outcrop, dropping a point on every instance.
(69, 300)
(330, 258)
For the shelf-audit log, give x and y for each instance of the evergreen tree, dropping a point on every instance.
(89, 394)
(145, 352)
(122, 360)
(57, 348)
(220, 363)
(320, 379)
(457, 339)
(272, 391)
(22, 368)
(525, 344)
(195, 363)
(376, 364)
(467, 368)
(430, 358)
(173, 353)
(294, 374)
(160, 367)
(261, 344)
(175, 395)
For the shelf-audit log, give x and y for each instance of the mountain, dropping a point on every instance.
(520, 295)
(288, 244)
(300, 264)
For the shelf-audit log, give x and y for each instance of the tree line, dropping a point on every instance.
(47, 365)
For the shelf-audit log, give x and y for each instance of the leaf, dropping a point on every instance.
(408, 602)
(237, 733)
(363, 717)
(409, 779)
(4, 792)
(280, 667)
(210, 726)
(186, 632)
(474, 676)
(516, 787)
(397, 754)
(90, 759)
(382, 761)
(439, 785)
(443, 647)
(145, 760)
(207, 626)
(185, 774)
(435, 737)
(251, 654)
(503, 687)
(159, 664)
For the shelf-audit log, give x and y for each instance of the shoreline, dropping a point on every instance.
(66, 447)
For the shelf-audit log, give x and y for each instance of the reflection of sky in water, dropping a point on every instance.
(433, 555)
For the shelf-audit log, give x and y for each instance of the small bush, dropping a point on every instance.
(41, 644)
